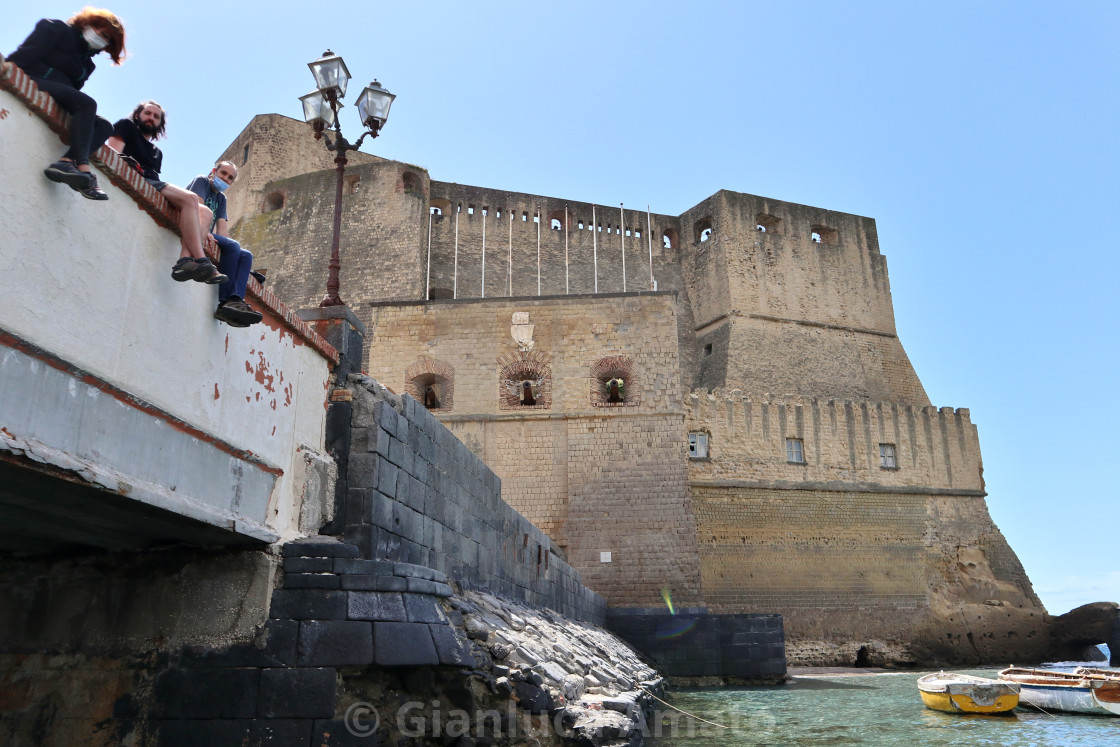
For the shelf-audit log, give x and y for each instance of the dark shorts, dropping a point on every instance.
(157, 185)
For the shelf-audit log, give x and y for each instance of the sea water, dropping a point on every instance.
(863, 709)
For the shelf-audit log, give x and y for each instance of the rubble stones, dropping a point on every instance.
(585, 677)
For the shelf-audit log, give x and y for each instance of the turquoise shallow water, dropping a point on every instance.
(873, 709)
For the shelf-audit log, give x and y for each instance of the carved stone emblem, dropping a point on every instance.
(522, 331)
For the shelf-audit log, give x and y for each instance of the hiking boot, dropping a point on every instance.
(184, 270)
(93, 192)
(207, 273)
(236, 313)
(65, 172)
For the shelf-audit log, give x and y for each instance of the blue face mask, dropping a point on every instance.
(219, 184)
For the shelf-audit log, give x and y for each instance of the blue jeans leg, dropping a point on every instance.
(234, 263)
(88, 132)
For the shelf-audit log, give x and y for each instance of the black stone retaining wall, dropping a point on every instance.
(416, 494)
(692, 643)
(335, 611)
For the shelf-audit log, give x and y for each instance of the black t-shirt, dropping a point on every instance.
(139, 147)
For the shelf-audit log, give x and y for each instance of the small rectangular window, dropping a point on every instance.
(887, 458)
(697, 445)
(795, 451)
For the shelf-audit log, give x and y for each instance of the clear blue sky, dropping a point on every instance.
(982, 137)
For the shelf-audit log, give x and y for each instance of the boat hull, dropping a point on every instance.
(962, 693)
(961, 703)
(1060, 698)
(1083, 691)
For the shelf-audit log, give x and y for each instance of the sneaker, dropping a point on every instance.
(65, 172)
(207, 273)
(93, 192)
(236, 313)
(184, 270)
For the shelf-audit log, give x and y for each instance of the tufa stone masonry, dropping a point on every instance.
(710, 409)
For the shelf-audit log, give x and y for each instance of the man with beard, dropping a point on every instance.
(134, 138)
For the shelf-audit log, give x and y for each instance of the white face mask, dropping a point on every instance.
(95, 40)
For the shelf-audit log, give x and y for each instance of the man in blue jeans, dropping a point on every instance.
(235, 262)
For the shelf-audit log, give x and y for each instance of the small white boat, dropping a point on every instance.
(964, 693)
(1072, 692)
(1107, 698)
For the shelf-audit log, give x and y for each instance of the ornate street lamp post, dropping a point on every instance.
(320, 109)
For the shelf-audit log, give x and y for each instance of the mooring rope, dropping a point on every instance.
(690, 715)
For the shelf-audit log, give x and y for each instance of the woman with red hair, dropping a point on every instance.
(58, 56)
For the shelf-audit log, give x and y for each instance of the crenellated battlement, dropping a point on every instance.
(840, 443)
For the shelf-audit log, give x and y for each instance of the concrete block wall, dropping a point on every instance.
(418, 495)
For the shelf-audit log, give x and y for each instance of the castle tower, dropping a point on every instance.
(792, 299)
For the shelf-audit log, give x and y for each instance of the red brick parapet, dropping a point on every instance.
(132, 183)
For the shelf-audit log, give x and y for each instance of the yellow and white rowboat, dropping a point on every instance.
(963, 693)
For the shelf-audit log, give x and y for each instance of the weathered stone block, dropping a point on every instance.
(375, 605)
(403, 644)
(374, 583)
(206, 693)
(319, 548)
(308, 604)
(451, 649)
(335, 643)
(309, 565)
(311, 581)
(364, 567)
(422, 608)
(296, 693)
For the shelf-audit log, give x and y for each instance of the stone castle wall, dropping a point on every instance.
(379, 245)
(594, 250)
(598, 478)
(274, 147)
(788, 304)
(935, 449)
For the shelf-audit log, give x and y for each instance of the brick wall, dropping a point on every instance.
(935, 449)
(599, 479)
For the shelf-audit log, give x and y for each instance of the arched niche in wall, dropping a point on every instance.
(412, 184)
(525, 381)
(765, 223)
(702, 230)
(613, 382)
(431, 382)
(821, 234)
(274, 201)
(669, 239)
(439, 207)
